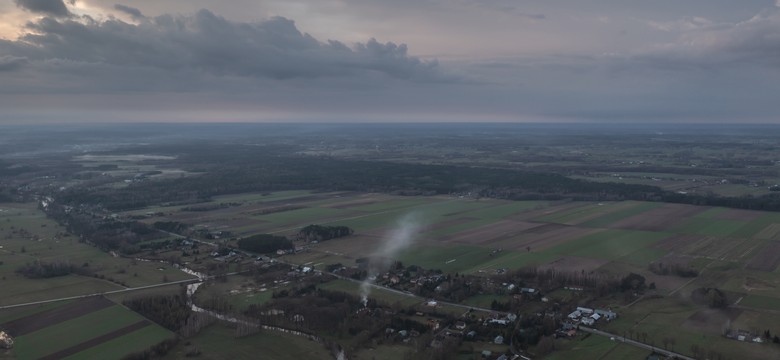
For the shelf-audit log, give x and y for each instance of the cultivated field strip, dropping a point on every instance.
(82, 325)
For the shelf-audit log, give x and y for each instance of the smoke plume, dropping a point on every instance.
(398, 239)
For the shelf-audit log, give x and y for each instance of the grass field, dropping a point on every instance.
(109, 331)
(27, 236)
(220, 342)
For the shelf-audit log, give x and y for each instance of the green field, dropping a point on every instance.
(27, 236)
(220, 342)
(65, 334)
(761, 302)
(136, 341)
(464, 235)
(609, 244)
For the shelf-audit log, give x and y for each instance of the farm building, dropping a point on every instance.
(584, 310)
(575, 314)
(6, 342)
(607, 314)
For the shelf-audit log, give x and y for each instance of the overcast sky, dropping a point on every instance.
(382, 60)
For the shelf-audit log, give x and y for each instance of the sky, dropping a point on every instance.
(619, 61)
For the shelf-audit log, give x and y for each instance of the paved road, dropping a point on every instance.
(636, 343)
(100, 293)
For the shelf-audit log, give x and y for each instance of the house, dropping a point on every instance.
(587, 321)
(607, 314)
(403, 333)
(498, 321)
(595, 317)
(460, 325)
(471, 334)
(498, 340)
(511, 317)
(486, 353)
(502, 357)
(432, 303)
(758, 339)
(531, 291)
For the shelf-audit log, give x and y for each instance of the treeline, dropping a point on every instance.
(232, 169)
(712, 297)
(169, 311)
(210, 207)
(170, 226)
(265, 243)
(672, 269)
(44, 270)
(238, 169)
(769, 202)
(104, 233)
(323, 233)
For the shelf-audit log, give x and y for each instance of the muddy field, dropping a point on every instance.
(488, 234)
(41, 320)
(741, 215)
(75, 349)
(770, 232)
(660, 219)
(546, 236)
(766, 260)
(711, 321)
(574, 264)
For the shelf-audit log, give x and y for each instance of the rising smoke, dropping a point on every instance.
(396, 240)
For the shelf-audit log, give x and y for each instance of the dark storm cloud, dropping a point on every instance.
(274, 48)
(135, 13)
(48, 7)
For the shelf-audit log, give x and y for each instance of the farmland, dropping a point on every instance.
(535, 229)
(81, 329)
(469, 235)
(480, 236)
(28, 236)
(455, 235)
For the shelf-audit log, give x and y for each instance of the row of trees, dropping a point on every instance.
(672, 269)
(234, 170)
(44, 270)
(322, 232)
(170, 311)
(265, 243)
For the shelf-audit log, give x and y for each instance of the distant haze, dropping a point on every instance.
(389, 61)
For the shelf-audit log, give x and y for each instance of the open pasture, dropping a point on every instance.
(92, 327)
(27, 236)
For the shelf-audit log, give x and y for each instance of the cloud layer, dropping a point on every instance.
(274, 48)
(603, 60)
(47, 7)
